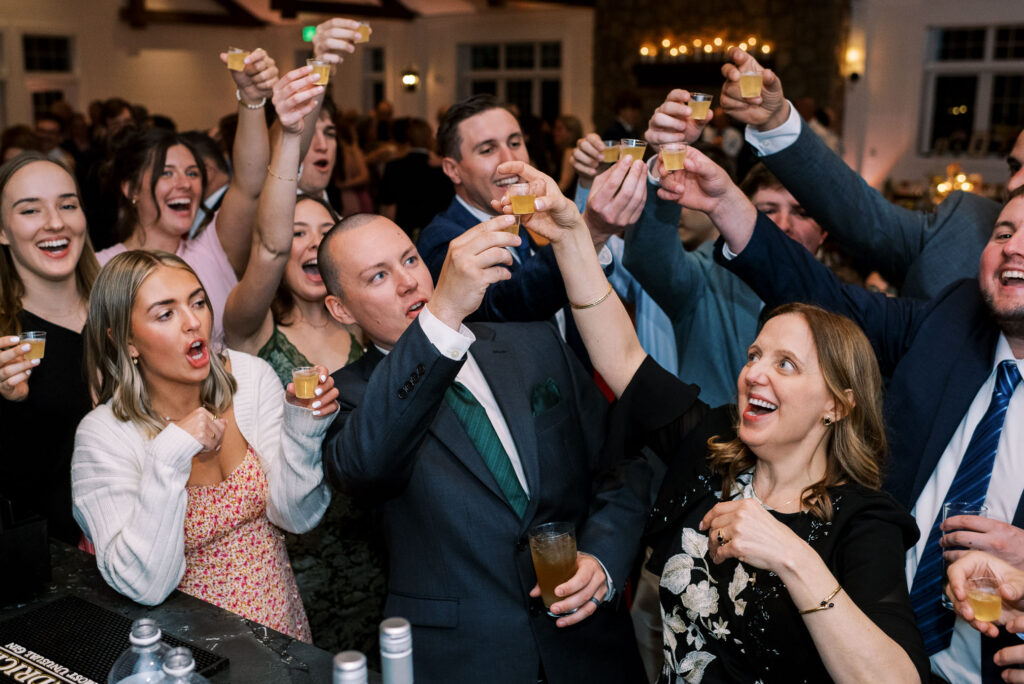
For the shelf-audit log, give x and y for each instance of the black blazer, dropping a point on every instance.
(461, 568)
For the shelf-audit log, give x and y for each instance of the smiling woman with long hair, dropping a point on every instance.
(194, 461)
(47, 267)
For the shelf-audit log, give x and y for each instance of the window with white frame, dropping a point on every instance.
(525, 74)
(48, 61)
(374, 65)
(974, 90)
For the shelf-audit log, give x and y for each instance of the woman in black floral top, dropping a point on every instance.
(780, 559)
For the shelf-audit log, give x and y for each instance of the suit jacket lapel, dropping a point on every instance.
(500, 367)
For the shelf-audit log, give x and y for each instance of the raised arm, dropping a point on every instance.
(250, 153)
(246, 315)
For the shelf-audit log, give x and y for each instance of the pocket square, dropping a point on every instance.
(544, 396)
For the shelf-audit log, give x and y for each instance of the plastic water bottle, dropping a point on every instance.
(350, 668)
(179, 668)
(396, 651)
(141, 663)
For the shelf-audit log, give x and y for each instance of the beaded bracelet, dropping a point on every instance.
(825, 604)
(259, 105)
(593, 303)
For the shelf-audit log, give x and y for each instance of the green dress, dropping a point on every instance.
(339, 564)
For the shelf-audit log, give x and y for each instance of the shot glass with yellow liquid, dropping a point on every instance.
(673, 155)
(521, 196)
(305, 380)
(632, 148)
(321, 69)
(364, 32)
(37, 343)
(750, 84)
(983, 595)
(611, 151)
(236, 58)
(700, 103)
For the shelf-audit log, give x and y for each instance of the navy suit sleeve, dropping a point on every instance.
(779, 270)
(657, 259)
(381, 423)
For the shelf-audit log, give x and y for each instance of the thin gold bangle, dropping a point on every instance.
(290, 180)
(593, 303)
(825, 604)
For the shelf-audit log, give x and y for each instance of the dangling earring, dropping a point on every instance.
(135, 361)
(827, 420)
(135, 200)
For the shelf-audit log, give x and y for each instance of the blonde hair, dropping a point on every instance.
(112, 375)
(12, 289)
(855, 445)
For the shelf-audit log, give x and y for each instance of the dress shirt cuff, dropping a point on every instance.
(777, 139)
(451, 343)
(604, 257)
(609, 585)
(727, 253)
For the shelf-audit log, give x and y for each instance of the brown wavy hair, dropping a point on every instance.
(12, 289)
(112, 375)
(855, 446)
(283, 305)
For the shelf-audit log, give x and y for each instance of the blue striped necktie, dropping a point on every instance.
(473, 417)
(969, 484)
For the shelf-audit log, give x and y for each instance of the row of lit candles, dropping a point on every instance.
(700, 45)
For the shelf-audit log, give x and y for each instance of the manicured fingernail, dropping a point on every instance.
(316, 404)
(28, 372)
(318, 391)
(35, 362)
(26, 347)
(316, 413)
(16, 340)
(323, 378)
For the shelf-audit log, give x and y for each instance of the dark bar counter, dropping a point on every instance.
(256, 654)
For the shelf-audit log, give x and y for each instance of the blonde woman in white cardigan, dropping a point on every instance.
(193, 462)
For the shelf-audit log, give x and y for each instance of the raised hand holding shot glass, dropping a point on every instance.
(312, 388)
(521, 196)
(236, 58)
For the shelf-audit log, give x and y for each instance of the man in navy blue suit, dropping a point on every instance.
(945, 357)
(456, 509)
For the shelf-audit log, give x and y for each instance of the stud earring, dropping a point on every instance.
(135, 360)
(827, 420)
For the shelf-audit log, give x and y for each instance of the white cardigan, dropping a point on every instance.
(129, 491)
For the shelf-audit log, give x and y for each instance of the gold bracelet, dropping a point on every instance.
(826, 602)
(290, 180)
(593, 303)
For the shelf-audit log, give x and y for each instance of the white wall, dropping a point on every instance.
(883, 110)
(174, 70)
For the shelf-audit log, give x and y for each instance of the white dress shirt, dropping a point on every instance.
(961, 662)
(777, 139)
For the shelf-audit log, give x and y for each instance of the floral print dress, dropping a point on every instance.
(235, 557)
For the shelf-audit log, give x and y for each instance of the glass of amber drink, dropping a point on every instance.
(553, 547)
(364, 32)
(611, 151)
(673, 155)
(949, 510)
(521, 196)
(236, 58)
(305, 380)
(983, 595)
(700, 103)
(321, 69)
(632, 148)
(750, 84)
(37, 341)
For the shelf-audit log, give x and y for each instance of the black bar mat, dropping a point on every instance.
(76, 642)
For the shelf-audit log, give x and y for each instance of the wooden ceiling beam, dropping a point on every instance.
(138, 16)
(387, 9)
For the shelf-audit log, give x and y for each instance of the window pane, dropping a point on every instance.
(953, 117)
(483, 57)
(1007, 112)
(550, 99)
(484, 88)
(47, 53)
(42, 101)
(1010, 42)
(376, 60)
(519, 56)
(520, 94)
(550, 55)
(961, 44)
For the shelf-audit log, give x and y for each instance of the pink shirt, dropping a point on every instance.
(207, 258)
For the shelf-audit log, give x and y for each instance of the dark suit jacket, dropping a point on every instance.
(923, 252)
(417, 189)
(534, 293)
(461, 569)
(938, 353)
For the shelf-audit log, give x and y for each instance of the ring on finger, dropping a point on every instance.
(595, 601)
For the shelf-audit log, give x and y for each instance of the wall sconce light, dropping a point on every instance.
(410, 79)
(853, 63)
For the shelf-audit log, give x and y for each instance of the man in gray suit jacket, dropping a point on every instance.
(921, 252)
(454, 523)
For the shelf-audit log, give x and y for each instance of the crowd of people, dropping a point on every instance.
(756, 454)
